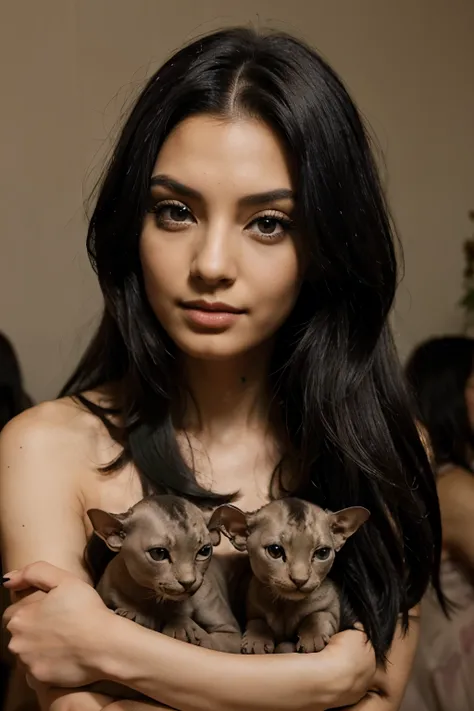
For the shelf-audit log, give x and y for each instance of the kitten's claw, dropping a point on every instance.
(122, 612)
(253, 644)
(308, 644)
(135, 616)
(315, 634)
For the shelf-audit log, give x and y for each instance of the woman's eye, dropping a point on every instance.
(204, 552)
(322, 553)
(172, 215)
(275, 551)
(269, 227)
(158, 554)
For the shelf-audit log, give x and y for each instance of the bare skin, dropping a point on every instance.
(49, 456)
(35, 528)
(456, 497)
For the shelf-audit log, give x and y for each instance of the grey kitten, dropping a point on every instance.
(291, 603)
(163, 576)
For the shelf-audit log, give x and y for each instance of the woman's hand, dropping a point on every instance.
(55, 636)
(353, 660)
(68, 638)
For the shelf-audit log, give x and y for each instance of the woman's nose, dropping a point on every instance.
(214, 259)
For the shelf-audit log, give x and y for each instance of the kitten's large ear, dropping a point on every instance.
(232, 522)
(109, 527)
(344, 523)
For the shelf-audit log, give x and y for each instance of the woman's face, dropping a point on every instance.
(470, 399)
(218, 248)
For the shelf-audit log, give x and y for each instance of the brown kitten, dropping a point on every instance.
(291, 604)
(163, 575)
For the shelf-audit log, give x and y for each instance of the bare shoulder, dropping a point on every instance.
(456, 487)
(456, 497)
(49, 457)
(58, 431)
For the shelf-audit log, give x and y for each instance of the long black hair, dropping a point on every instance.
(335, 370)
(438, 372)
(13, 398)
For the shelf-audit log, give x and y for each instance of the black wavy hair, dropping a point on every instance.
(438, 372)
(335, 370)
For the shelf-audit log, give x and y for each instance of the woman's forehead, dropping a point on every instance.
(239, 157)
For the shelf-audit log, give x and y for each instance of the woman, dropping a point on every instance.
(247, 263)
(441, 372)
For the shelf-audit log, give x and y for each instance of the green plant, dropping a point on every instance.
(467, 301)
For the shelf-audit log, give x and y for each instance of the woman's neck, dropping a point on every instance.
(226, 397)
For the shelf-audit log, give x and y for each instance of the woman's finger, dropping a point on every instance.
(40, 575)
(34, 597)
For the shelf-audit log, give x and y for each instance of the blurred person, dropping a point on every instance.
(441, 375)
(13, 400)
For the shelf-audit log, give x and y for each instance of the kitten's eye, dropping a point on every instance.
(275, 551)
(204, 552)
(322, 553)
(158, 554)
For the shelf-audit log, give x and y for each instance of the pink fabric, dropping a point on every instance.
(443, 673)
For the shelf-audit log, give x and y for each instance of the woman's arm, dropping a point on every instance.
(41, 512)
(60, 648)
(456, 497)
(390, 683)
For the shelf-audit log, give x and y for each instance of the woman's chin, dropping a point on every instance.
(214, 347)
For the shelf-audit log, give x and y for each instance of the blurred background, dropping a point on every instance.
(70, 68)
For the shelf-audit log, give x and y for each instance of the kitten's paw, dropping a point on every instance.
(128, 614)
(256, 644)
(186, 630)
(314, 637)
(138, 617)
(308, 643)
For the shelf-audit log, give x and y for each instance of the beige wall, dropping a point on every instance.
(68, 67)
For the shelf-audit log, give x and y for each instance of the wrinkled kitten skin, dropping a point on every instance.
(164, 576)
(291, 603)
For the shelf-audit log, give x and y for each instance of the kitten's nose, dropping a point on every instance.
(299, 580)
(187, 583)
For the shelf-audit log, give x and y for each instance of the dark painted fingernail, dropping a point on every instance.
(5, 579)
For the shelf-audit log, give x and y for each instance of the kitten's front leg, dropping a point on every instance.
(186, 630)
(315, 631)
(258, 638)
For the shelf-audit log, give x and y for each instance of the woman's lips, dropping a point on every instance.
(214, 315)
(211, 319)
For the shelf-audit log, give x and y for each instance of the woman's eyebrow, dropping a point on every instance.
(177, 187)
(269, 196)
(255, 199)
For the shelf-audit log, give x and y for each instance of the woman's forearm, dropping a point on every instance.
(70, 700)
(189, 678)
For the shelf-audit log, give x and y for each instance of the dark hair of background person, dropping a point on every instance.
(438, 372)
(344, 405)
(13, 398)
